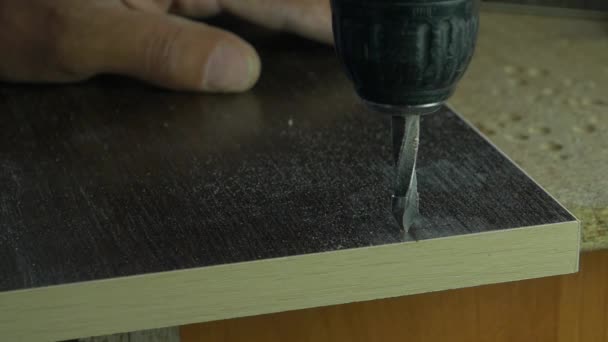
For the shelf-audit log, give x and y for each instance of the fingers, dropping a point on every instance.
(196, 8)
(158, 6)
(84, 38)
(192, 8)
(171, 52)
(308, 18)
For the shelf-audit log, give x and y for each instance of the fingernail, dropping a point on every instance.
(230, 68)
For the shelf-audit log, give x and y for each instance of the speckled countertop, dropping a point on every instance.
(538, 88)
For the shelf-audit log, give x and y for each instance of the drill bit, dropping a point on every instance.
(406, 137)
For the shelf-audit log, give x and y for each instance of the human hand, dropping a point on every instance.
(72, 40)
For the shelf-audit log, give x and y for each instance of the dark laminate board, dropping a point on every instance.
(111, 179)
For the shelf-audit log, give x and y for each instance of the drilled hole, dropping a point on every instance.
(599, 102)
(489, 131)
(523, 137)
(552, 146)
(485, 130)
(515, 117)
(590, 128)
(564, 157)
(544, 130)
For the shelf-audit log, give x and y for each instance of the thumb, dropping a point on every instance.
(172, 52)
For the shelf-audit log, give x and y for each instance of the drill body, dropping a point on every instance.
(407, 54)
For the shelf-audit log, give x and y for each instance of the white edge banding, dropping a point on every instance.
(282, 284)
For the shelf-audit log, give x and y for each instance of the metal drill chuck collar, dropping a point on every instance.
(405, 110)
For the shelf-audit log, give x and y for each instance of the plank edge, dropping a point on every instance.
(284, 284)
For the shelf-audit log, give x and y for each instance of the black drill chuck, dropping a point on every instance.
(407, 54)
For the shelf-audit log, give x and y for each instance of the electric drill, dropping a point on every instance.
(405, 58)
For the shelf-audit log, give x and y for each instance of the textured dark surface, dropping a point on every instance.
(112, 179)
